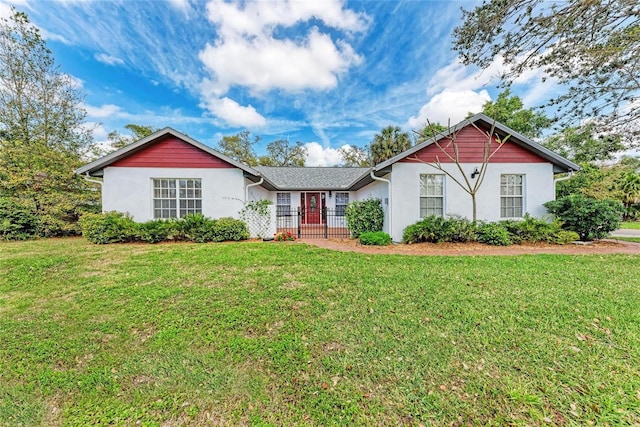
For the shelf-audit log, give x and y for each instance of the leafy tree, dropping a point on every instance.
(590, 47)
(117, 140)
(239, 147)
(42, 137)
(281, 153)
(390, 142)
(509, 110)
(582, 145)
(354, 156)
(37, 101)
(429, 131)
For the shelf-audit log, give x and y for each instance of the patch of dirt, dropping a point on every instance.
(479, 249)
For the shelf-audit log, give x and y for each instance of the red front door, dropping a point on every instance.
(313, 208)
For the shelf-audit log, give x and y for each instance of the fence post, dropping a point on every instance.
(324, 220)
(299, 223)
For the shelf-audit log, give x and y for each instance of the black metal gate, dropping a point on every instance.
(330, 224)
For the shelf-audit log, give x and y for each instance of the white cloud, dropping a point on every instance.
(108, 59)
(233, 113)
(181, 5)
(453, 105)
(247, 52)
(263, 64)
(254, 18)
(317, 155)
(106, 110)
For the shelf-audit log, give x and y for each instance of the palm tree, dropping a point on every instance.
(390, 142)
(630, 188)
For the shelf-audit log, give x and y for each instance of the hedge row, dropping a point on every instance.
(504, 233)
(116, 227)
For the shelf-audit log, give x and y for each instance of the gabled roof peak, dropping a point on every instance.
(95, 168)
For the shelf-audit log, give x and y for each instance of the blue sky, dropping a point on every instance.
(323, 72)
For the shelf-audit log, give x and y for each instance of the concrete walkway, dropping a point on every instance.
(625, 233)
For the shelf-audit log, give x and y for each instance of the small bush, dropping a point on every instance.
(284, 236)
(227, 229)
(364, 216)
(375, 238)
(563, 237)
(109, 227)
(493, 233)
(155, 231)
(17, 220)
(197, 228)
(590, 218)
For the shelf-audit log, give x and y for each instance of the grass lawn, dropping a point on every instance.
(630, 225)
(287, 334)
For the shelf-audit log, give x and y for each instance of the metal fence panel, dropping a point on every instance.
(331, 224)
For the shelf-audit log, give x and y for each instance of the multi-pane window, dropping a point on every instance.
(431, 195)
(342, 200)
(175, 198)
(511, 196)
(283, 204)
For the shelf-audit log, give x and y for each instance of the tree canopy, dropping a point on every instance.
(353, 156)
(390, 142)
(241, 147)
(583, 144)
(42, 135)
(509, 110)
(117, 140)
(590, 48)
(281, 153)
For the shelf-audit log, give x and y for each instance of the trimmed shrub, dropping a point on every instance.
(227, 228)
(17, 220)
(590, 218)
(364, 216)
(156, 231)
(109, 227)
(197, 228)
(113, 227)
(436, 229)
(493, 233)
(375, 238)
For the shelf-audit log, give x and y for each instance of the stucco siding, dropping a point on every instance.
(130, 190)
(538, 189)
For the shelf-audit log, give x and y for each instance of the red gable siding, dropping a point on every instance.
(470, 147)
(172, 152)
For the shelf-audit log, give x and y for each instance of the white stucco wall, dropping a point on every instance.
(538, 189)
(128, 189)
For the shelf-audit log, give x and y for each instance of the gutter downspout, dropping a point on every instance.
(246, 189)
(564, 178)
(375, 178)
(95, 181)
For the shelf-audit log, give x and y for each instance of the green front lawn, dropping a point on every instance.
(630, 225)
(288, 334)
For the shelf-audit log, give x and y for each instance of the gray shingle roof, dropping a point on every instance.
(312, 178)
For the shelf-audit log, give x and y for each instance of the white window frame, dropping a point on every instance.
(283, 204)
(341, 205)
(177, 196)
(424, 195)
(510, 193)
